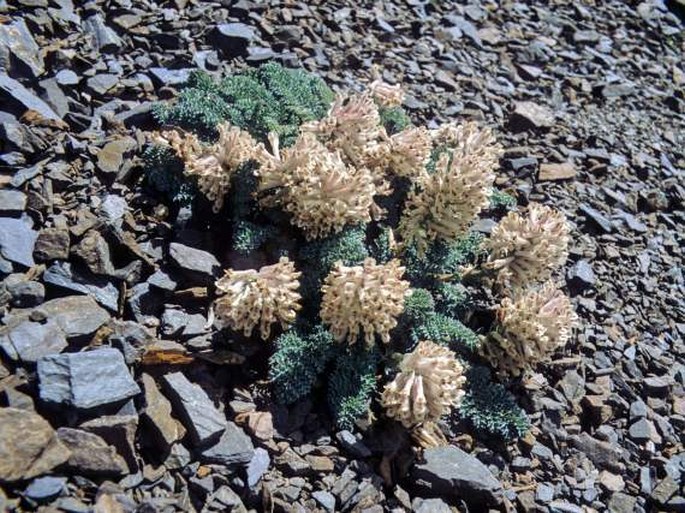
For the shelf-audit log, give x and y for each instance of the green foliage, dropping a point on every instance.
(270, 98)
(394, 119)
(442, 259)
(501, 200)
(297, 361)
(200, 107)
(445, 330)
(164, 172)
(248, 237)
(381, 246)
(451, 298)
(419, 305)
(347, 246)
(491, 408)
(352, 385)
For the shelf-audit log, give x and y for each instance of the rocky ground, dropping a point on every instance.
(589, 100)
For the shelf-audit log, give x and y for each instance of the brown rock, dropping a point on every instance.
(531, 115)
(51, 244)
(29, 446)
(320, 463)
(552, 171)
(90, 454)
(157, 415)
(111, 156)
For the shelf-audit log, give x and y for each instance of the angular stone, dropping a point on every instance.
(62, 274)
(170, 77)
(29, 446)
(26, 293)
(603, 454)
(325, 499)
(166, 430)
(17, 38)
(622, 503)
(102, 82)
(23, 99)
(233, 448)
(232, 39)
(420, 505)
(111, 155)
(258, 466)
(17, 240)
(77, 379)
(46, 488)
(93, 251)
(90, 454)
(597, 218)
(610, 481)
(193, 260)
(553, 171)
(76, 315)
(51, 244)
(581, 276)
(119, 431)
(451, 472)
(12, 201)
(531, 115)
(105, 39)
(192, 404)
(52, 93)
(67, 77)
(665, 490)
(352, 445)
(29, 341)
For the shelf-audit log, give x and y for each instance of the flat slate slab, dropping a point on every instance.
(86, 380)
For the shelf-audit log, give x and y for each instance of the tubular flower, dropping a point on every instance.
(385, 94)
(215, 166)
(408, 152)
(443, 204)
(532, 326)
(185, 145)
(353, 126)
(317, 188)
(368, 298)
(428, 385)
(527, 249)
(468, 141)
(261, 298)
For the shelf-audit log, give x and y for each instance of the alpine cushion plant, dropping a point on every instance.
(354, 235)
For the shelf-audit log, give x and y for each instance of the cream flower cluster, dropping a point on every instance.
(526, 249)
(428, 385)
(532, 325)
(213, 165)
(254, 298)
(443, 204)
(365, 298)
(322, 193)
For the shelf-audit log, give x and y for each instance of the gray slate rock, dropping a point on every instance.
(17, 38)
(234, 38)
(531, 115)
(17, 240)
(105, 39)
(325, 499)
(597, 218)
(61, 274)
(76, 315)
(258, 466)
(233, 448)
(420, 505)
(12, 201)
(30, 341)
(14, 91)
(170, 77)
(194, 260)
(44, 489)
(192, 404)
(77, 379)
(26, 293)
(350, 443)
(581, 276)
(165, 429)
(451, 472)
